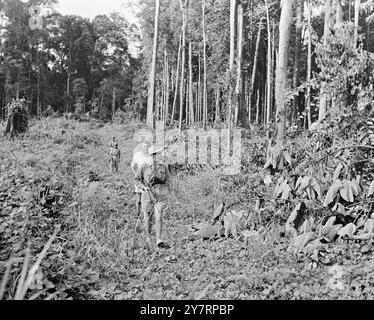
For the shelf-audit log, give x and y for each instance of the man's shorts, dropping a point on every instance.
(161, 193)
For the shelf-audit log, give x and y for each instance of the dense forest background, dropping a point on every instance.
(71, 64)
(214, 61)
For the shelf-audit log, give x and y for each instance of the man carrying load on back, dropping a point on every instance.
(153, 178)
(140, 157)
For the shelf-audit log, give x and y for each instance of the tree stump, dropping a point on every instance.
(17, 122)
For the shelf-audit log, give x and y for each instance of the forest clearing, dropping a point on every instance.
(98, 255)
(284, 88)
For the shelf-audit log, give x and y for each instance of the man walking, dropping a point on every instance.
(153, 179)
(140, 157)
(115, 155)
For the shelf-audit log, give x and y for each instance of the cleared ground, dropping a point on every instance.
(98, 254)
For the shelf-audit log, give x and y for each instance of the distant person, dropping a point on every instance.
(115, 155)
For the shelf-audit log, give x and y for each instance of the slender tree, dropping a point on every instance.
(113, 102)
(199, 93)
(254, 69)
(357, 12)
(296, 62)
(152, 76)
(309, 67)
(339, 11)
(240, 112)
(268, 69)
(190, 85)
(218, 109)
(205, 98)
(326, 34)
(281, 75)
(182, 81)
(176, 79)
(233, 5)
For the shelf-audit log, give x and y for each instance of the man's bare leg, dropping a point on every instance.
(146, 208)
(147, 223)
(111, 165)
(159, 210)
(138, 210)
(138, 203)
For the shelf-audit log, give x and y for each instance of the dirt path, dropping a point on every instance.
(223, 269)
(192, 268)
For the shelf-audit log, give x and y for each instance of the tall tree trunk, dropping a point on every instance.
(101, 105)
(166, 119)
(238, 88)
(181, 93)
(281, 76)
(309, 66)
(6, 93)
(268, 69)
(264, 102)
(38, 106)
(38, 96)
(273, 68)
(251, 25)
(68, 107)
(3, 99)
(249, 109)
(176, 79)
(205, 96)
(152, 76)
(339, 12)
(162, 92)
(254, 69)
(68, 92)
(199, 95)
(172, 77)
(113, 102)
(240, 111)
(357, 12)
(258, 106)
(156, 107)
(296, 64)
(218, 108)
(186, 104)
(196, 88)
(326, 34)
(190, 86)
(233, 4)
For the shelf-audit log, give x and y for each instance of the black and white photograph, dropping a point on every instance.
(206, 152)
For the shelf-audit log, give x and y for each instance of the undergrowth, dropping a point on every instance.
(56, 179)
